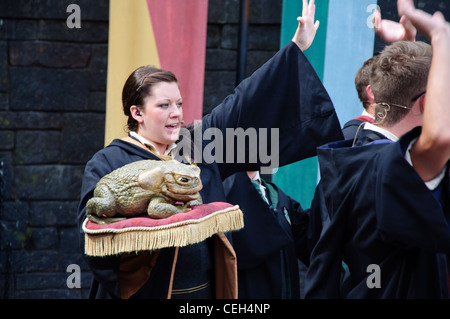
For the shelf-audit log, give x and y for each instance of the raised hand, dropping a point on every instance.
(427, 24)
(306, 30)
(391, 31)
(431, 151)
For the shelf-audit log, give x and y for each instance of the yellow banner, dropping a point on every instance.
(131, 45)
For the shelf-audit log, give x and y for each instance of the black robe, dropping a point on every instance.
(352, 127)
(284, 93)
(381, 214)
(265, 248)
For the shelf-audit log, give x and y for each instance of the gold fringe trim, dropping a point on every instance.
(105, 242)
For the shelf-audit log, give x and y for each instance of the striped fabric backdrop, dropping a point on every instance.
(159, 33)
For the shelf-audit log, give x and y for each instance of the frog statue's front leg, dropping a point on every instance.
(159, 208)
(194, 202)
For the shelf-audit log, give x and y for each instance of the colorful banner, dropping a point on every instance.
(343, 42)
(159, 33)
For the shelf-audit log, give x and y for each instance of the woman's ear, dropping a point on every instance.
(135, 113)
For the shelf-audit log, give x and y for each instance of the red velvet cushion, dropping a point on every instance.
(197, 212)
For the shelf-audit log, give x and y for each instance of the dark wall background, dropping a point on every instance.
(52, 112)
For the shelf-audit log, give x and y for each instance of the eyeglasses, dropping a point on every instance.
(415, 98)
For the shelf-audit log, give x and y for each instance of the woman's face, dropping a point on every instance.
(162, 115)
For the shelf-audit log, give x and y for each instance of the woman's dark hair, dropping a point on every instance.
(138, 86)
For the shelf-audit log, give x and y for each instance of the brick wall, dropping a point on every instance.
(52, 112)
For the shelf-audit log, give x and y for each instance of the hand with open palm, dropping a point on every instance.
(306, 30)
(391, 31)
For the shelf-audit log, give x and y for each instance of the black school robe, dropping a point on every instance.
(380, 213)
(265, 248)
(284, 93)
(352, 127)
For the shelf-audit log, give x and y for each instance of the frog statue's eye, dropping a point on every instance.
(183, 179)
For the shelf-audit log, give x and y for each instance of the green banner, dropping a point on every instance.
(299, 180)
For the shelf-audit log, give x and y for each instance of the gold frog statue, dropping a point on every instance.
(162, 188)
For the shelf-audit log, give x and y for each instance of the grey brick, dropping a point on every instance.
(49, 54)
(41, 89)
(37, 147)
(53, 213)
(47, 182)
